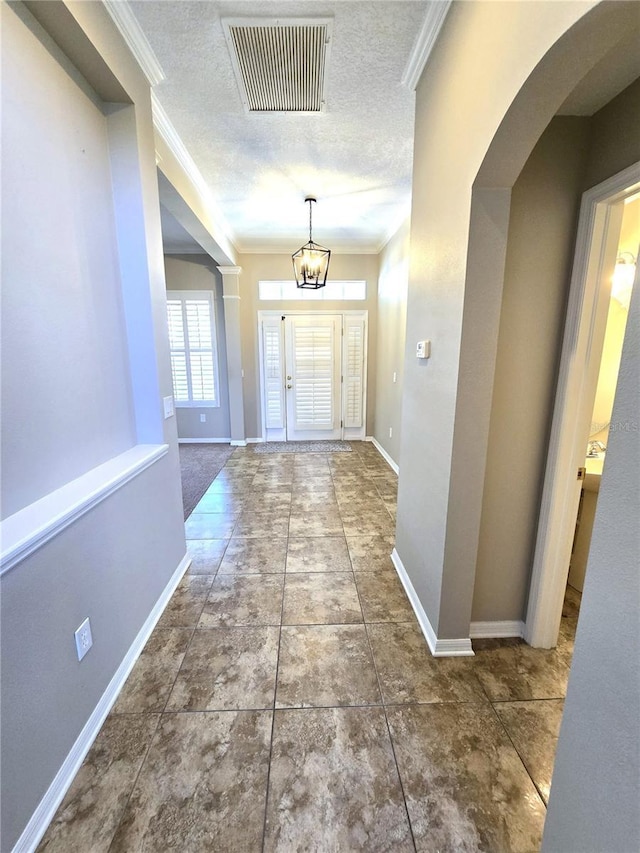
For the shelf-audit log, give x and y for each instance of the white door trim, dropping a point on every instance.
(582, 344)
(346, 433)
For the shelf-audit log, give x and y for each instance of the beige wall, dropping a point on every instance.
(279, 268)
(199, 272)
(392, 319)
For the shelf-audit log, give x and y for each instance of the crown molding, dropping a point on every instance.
(131, 31)
(174, 143)
(434, 19)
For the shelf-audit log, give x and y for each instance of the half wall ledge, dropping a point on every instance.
(27, 530)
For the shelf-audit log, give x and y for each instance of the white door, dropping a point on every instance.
(313, 377)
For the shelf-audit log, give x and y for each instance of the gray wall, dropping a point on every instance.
(97, 245)
(392, 320)
(572, 155)
(595, 791)
(462, 100)
(544, 210)
(278, 268)
(66, 392)
(199, 272)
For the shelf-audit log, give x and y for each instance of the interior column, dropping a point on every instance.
(231, 298)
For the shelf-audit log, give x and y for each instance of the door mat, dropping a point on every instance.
(303, 447)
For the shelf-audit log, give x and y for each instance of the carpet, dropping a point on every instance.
(303, 447)
(199, 465)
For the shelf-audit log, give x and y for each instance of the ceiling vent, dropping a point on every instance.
(280, 65)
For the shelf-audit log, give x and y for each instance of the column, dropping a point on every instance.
(231, 297)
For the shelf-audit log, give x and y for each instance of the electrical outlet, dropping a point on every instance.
(390, 432)
(203, 419)
(395, 376)
(84, 640)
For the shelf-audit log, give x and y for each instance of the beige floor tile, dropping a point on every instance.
(320, 523)
(383, 597)
(325, 665)
(214, 796)
(321, 598)
(318, 554)
(377, 523)
(333, 777)
(243, 600)
(186, 603)
(510, 670)
(227, 669)
(209, 525)
(149, 683)
(308, 506)
(465, 786)
(263, 524)
(533, 728)
(408, 672)
(371, 553)
(254, 556)
(219, 502)
(206, 555)
(89, 814)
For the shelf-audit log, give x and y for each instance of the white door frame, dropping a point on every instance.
(598, 226)
(345, 432)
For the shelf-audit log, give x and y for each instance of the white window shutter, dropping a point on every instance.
(313, 377)
(273, 350)
(190, 316)
(354, 340)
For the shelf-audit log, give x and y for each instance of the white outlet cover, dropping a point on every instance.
(83, 637)
(168, 406)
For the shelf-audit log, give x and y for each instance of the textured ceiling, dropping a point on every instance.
(355, 157)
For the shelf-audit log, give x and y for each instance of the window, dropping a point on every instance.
(334, 291)
(192, 338)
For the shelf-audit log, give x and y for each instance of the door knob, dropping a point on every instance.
(289, 386)
(288, 377)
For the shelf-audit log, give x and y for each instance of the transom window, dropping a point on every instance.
(334, 291)
(194, 352)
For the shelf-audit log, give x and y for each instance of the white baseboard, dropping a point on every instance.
(439, 648)
(238, 443)
(48, 805)
(204, 441)
(255, 441)
(494, 630)
(385, 455)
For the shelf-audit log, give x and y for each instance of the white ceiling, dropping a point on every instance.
(356, 157)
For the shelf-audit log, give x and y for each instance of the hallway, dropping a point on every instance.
(287, 699)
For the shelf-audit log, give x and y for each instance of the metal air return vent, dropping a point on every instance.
(280, 65)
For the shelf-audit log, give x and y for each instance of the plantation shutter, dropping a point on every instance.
(273, 352)
(354, 343)
(313, 376)
(192, 343)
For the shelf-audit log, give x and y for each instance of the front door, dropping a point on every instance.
(313, 375)
(313, 370)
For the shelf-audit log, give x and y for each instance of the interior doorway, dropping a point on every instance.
(597, 256)
(313, 369)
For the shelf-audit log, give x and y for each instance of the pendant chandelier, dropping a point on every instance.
(311, 261)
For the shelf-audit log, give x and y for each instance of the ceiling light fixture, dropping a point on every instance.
(311, 261)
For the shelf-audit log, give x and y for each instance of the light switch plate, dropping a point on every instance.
(168, 407)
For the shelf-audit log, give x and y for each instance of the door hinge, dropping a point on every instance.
(342, 379)
(341, 424)
(582, 473)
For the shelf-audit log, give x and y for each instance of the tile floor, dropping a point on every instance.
(287, 700)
